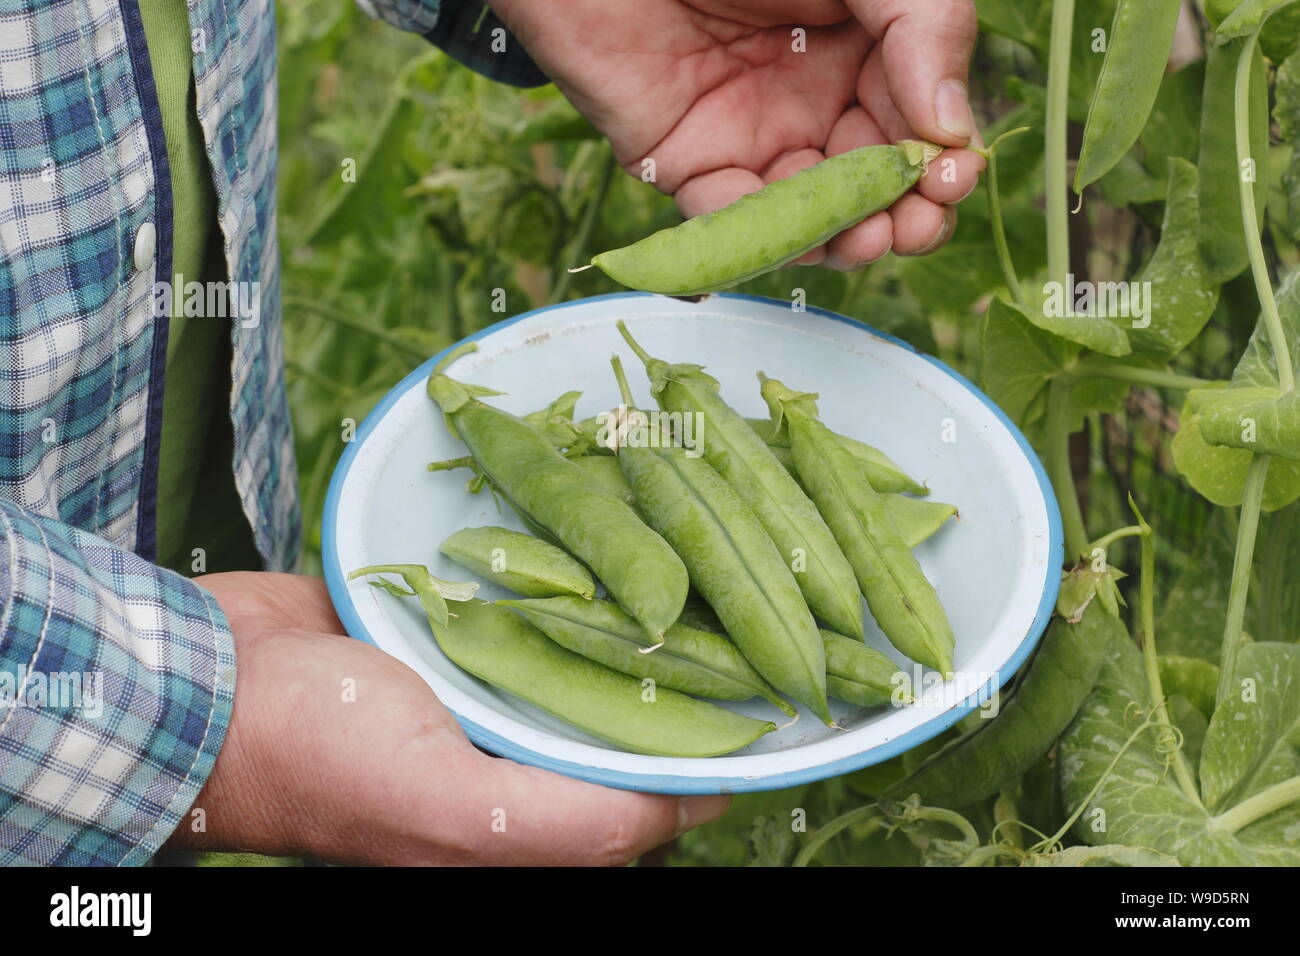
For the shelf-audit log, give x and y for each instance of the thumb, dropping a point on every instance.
(926, 48)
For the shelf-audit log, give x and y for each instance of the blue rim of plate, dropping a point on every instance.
(336, 582)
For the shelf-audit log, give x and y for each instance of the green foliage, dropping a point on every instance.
(470, 201)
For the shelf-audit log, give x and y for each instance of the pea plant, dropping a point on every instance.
(1125, 742)
(1136, 313)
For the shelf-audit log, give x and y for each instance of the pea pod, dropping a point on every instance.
(1001, 749)
(501, 648)
(1136, 52)
(766, 229)
(691, 661)
(902, 601)
(520, 562)
(791, 520)
(731, 560)
(1223, 248)
(881, 470)
(916, 519)
(857, 673)
(562, 502)
(606, 470)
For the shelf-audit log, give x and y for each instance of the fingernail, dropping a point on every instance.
(949, 220)
(952, 109)
(692, 811)
(964, 196)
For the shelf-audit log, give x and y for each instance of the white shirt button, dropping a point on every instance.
(146, 240)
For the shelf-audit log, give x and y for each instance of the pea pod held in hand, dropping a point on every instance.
(766, 229)
(520, 562)
(740, 456)
(691, 661)
(1002, 748)
(561, 501)
(501, 648)
(902, 601)
(730, 558)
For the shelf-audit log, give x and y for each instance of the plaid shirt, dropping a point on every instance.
(117, 677)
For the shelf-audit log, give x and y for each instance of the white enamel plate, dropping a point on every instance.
(996, 568)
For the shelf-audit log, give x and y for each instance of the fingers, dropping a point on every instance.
(924, 51)
(269, 599)
(920, 226)
(715, 189)
(531, 817)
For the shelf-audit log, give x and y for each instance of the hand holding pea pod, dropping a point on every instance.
(737, 242)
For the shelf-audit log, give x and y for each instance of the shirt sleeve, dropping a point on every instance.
(116, 684)
(467, 31)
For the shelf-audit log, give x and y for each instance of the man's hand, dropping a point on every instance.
(717, 94)
(387, 777)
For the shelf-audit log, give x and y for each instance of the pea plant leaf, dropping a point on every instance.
(1191, 618)
(1107, 855)
(1182, 296)
(1280, 35)
(1248, 16)
(1024, 20)
(1286, 113)
(1219, 472)
(952, 278)
(1172, 128)
(1253, 412)
(1136, 802)
(1026, 360)
(1254, 736)
(1059, 315)
(1195, 679)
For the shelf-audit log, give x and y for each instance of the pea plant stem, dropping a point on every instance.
(335, 317)
(1058, 465)
(995, 218)
(1055, 172)
(1147, 624)
(1250, 217)
(868, 814)
(1159, 378)
(1260, 805)
(1104, 542)
(1247, 528)
(1248, 524)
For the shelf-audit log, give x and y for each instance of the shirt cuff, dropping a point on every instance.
(117, 681)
